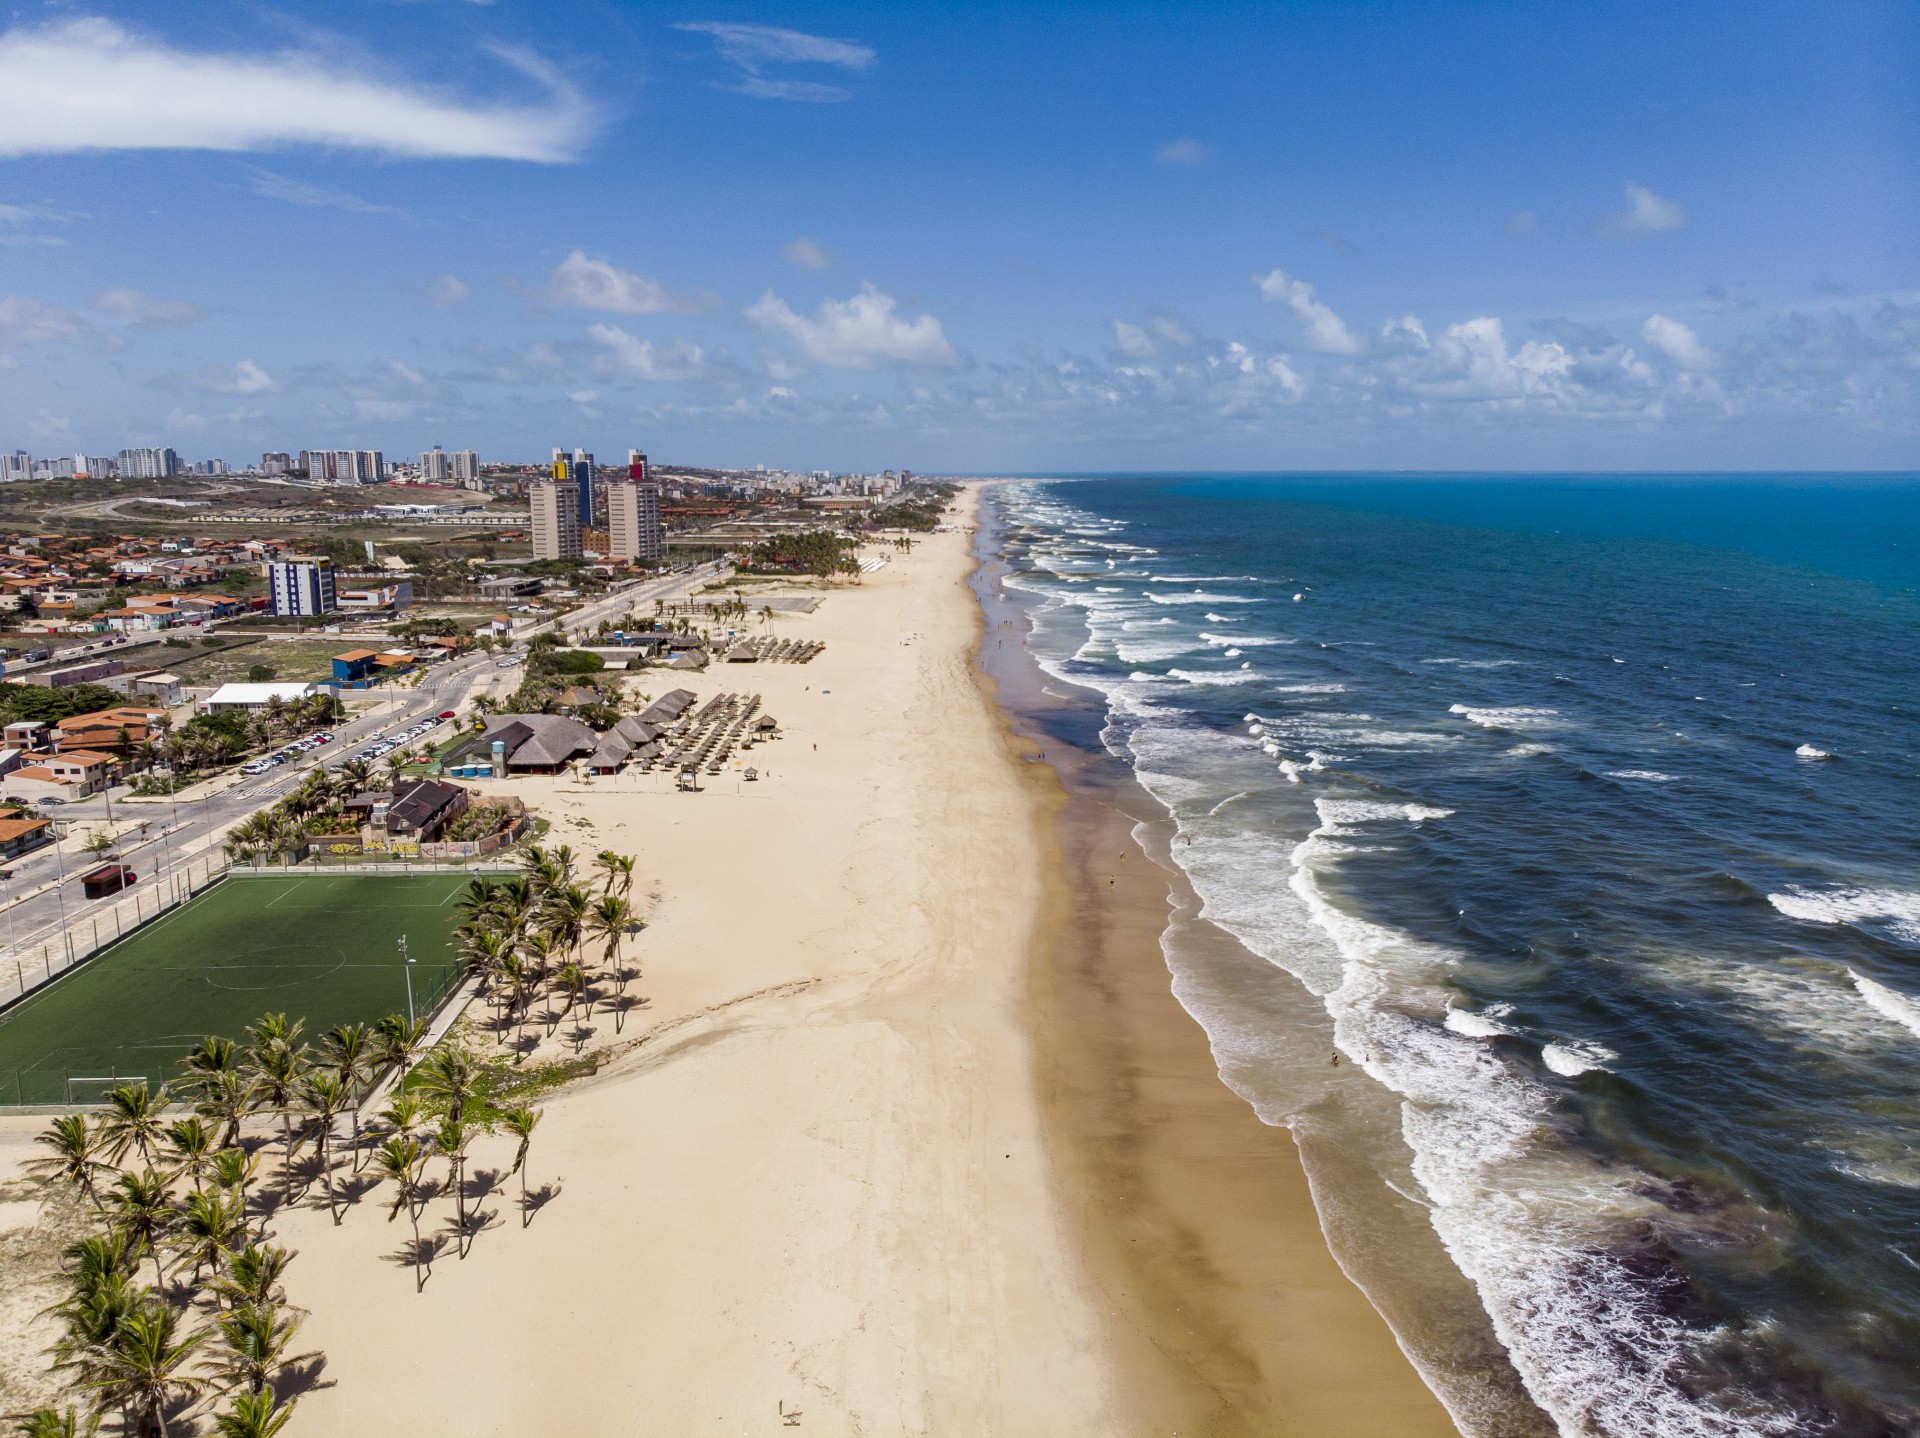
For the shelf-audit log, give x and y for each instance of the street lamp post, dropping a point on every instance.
(406, 967)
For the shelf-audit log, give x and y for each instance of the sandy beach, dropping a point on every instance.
(909, 1137)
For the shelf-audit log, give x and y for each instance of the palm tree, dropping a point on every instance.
(394, 1038)
(60, 1423)
(190, 1147)
(348, 1050)
(254, 1415)
(140, 1210)
(132, 1120)
(253, 1346)
(356, 773)
(142, 1367)
(210, 1223)
(566, 913)
(450, 1074)
(278, 1060)
(451, 1139)
(233, 1170)
(520, 1122)
(608, 921)
(476, 903)
(574, 981)
(227, 1097)
(400, 1159)
(323, 1095)
(616, 871)
(211, 1055)
(253, 1276)
(76, 1154)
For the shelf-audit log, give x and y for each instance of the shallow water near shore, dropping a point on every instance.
(1585, 820)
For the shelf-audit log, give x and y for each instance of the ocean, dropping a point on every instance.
(1582, 816)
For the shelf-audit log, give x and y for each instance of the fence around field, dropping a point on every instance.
(25, 969)
(37, 964)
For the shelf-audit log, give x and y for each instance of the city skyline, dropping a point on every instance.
(1485, 237)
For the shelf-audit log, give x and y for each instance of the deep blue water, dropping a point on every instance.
(1589, 810)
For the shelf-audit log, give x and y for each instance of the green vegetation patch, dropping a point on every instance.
(320, 948)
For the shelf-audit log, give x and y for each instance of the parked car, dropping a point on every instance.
(447, 714)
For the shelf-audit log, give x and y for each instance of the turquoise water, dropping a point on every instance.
(1588, 811)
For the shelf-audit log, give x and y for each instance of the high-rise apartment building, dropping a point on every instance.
(302, 586)
(16, 466)
(148, 464)
(343, 466)
(434, 466)
(464, 466)
(556, 520)
(100, 466)
(633, 521)
(275, 462)
(579, 472)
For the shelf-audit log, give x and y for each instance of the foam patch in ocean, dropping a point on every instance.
(1893, 913)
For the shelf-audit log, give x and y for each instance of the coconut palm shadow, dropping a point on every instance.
(419, 1254)
(296, 1380)
(536, 1199)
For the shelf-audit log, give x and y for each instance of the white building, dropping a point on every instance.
(434, 466)
(633, 521)
(464, 465)
(302, 586)
(556, 521)
(256, 696)
(148, 464)
(343, 466)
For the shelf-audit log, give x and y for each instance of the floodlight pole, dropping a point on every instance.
(406, 967)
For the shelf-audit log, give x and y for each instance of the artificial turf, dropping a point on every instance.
(320, 948)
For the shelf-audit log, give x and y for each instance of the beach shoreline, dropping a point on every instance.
(1228, 1313)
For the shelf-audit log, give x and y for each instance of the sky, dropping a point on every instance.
(967, 237)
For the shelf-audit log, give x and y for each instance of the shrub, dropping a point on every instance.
(261, 674)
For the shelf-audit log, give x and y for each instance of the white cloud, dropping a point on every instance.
(448, 292)
(1646, 214)
(1677, 342)
(596, 285)
(241, 377)
(90, 85)
(1161, 330)
(643, 359)
(34, 322)
(145, 311)
(858, 333)
(1325, 330)
(1133, 341)
(1184, 152)
(15, 220)
(806, 253)
(751, 49)
(317, 197)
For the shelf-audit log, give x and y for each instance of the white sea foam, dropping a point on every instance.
(1893, 913)
(1527, 751)
(1890, 1003)
(1337, 814)
(1807, 751)
(1247, 641)
(1203, 676)
(1223, 618)
(1475, 1025)
(1475, 663)
(1199, 596)
(1650, 776)
(1518, 717)
(1572, 1058)
(1310, 689)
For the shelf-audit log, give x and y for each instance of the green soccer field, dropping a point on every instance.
(322, 948)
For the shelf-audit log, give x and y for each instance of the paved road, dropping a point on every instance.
(38, 901)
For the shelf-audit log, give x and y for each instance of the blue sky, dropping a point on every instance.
(968, 237)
